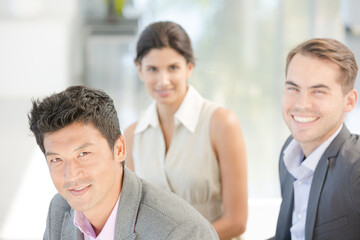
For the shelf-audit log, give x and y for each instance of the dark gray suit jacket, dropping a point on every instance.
(334, 202)
(144, 212)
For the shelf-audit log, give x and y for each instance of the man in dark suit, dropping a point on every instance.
(99, 198)
(320, 162)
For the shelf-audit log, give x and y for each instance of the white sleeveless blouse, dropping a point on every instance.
(189, 168)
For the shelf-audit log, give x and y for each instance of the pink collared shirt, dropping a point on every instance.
(108, 231)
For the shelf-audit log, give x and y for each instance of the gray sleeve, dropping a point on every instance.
(191, 231)
(48, 221)
(47, 229)
(58, 206)
(46, 233)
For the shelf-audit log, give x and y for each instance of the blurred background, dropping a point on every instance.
(240, 45)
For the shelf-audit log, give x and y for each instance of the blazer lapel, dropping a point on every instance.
(285, 215)
(68, 230)
(287, 193)
(314, 196)
(319, 179)
(131, 237)
(128, 208)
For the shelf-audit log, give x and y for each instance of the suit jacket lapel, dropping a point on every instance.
(314, 196)
(287, 193)
(128, 208)
(126, 216)
(285, 215)
(319, 179)
(68, 230)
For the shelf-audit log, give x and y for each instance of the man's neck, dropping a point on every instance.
(99, 215)
(98, 222)
(310, 148)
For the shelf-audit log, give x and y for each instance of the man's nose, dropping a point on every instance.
(72, 169)
(304, 100)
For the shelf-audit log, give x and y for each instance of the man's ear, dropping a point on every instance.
(350, 100)
(120, 149)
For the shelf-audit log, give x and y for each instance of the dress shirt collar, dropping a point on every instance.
(108, 231)
(150, 118)
(293, 156)
(188, 113)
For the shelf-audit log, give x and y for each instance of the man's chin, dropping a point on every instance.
(77, 204)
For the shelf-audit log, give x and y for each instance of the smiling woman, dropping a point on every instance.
(164, 72)
(185, 143)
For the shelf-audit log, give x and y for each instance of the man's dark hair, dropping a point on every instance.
(77, 104)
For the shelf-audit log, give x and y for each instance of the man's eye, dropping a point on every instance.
(83, 154)
(55, 160)
(151, 69)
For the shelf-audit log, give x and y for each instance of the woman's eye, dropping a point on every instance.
(173, 67)
(151, 69)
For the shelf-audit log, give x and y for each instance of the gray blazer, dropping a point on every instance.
(144, 212)
(334, 202)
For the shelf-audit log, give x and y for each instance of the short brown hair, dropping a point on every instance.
(75, 104)
(333, 50)
(164, 34)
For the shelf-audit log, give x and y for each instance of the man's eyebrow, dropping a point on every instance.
(320, 86)
(51, 153)
(291, 83)
(83, 146)
(76, 149)
(312, 87)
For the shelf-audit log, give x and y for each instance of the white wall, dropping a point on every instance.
(35, 60)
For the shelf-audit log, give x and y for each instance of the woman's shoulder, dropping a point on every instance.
(224, 116)
(129, 131)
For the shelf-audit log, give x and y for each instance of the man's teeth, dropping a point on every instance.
(79, 189)
(304, 119)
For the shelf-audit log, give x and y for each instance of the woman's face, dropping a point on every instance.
(164, 73)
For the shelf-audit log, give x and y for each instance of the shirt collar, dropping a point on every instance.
(293, 156)
(108, 231)
(150, 118)
(188, 113)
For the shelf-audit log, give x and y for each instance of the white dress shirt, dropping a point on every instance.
(189, 166)
(303, 171)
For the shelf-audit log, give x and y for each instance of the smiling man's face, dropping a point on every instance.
(313, 103)
(84, 170)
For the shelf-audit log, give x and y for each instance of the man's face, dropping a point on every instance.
(313, 103)
(85, 171)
